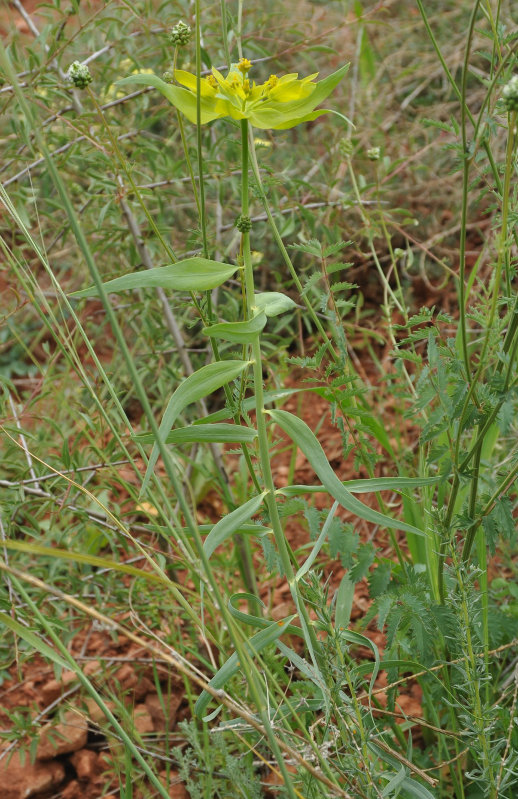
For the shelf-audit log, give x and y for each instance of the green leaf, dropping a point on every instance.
(231, 522)
(203, 382)
(181, 98)
(415, 789)
(256, 621)
(365, 557)
(254, 645)
(273, 303)
(33, 640)
(344, 603)
(203, 433)
(303, 436)
(240, 332)
(393, 785)
(379, 579)
(366, 486)
(249, 404)
(318, 543)
(287, 115)
(192, 274)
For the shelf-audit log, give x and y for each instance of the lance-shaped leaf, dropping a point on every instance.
(254, 645)
(303, 436)
(191, 274)
(365, 485)
(230, 523)
(205, 433)
(258, 621)
(34, 641)
(306, 566)
(203, 382)
(238, 332)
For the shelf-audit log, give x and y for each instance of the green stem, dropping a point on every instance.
(287, 260)
(224, 32)
(201, 187)
(264, 451)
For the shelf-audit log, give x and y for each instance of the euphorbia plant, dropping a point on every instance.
(278, 103)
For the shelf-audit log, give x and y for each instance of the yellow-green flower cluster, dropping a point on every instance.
(279, 102)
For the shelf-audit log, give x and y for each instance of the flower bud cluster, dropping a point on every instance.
(346, 148)
(79, 75)
(373, 154)
(510, 94)
(244, 223)
(180, 35)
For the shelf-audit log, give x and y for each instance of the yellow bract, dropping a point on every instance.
(279, 102)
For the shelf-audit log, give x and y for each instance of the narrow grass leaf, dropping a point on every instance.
(203, 382)
(205, 433)
(253, 646)
(308, 443)
(302, 665)
(192, 274)
(362, 640)
(308, 563)
(33, 548)
(230, 523)
(33, 640)
(255, 621)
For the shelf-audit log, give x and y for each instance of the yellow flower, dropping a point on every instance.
(279, 103)
(244, 65)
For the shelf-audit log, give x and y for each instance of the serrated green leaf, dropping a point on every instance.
(239, 332)
(192, 274)
(203, 382)
(204, 433)
(379, 579)
(303, 436)
(231, 522)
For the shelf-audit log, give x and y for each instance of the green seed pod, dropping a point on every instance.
(180, 35)
(244, 223)
(79, 75)
(346, 148)
(373, 154)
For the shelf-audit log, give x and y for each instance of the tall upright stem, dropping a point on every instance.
(264, 453)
